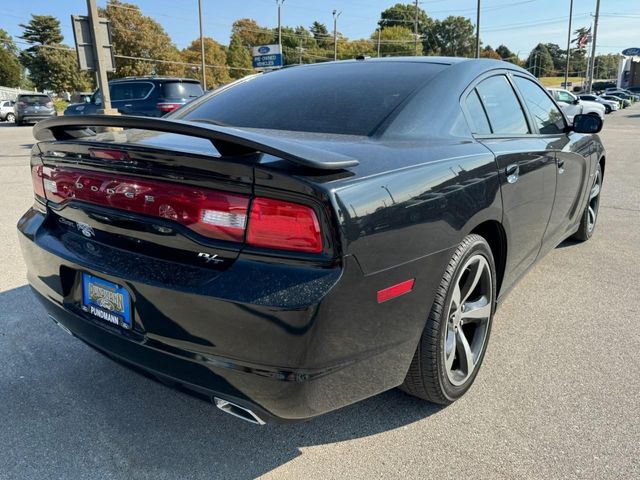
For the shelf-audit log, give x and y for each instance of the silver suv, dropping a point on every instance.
(6, 111)
(31, 107)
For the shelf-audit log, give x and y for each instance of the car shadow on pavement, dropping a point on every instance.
(568, 243)
(79, 414)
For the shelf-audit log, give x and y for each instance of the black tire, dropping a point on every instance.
(607, 109)
(427, 377)
(10, 118)
(587, 225)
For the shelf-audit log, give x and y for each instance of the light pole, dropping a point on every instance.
(204, 72)
(336, 14)
(566, 72)
(279, 3)
(592, 60)
(415, 29)
(478, 31)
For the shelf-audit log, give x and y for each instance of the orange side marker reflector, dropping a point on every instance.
(395, 290)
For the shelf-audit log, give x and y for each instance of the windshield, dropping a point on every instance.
(348, 98)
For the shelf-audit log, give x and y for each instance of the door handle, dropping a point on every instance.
(512, 172)
(560, 165)
(127, 105)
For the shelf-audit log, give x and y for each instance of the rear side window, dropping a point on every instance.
(545, 113)
(350, 98)
(479, 122)
(181, 90)
(502, 106)
(130, 90)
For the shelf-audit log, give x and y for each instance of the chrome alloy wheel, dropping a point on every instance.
(468, 319)
(594, 201)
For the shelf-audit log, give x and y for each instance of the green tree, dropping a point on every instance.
(558, 56)
(349, 49)
(404, 15)
(136, 35)
(507, 55)
(540, 62)
(454, 36)
(42, 30)
(321, 35)
(10, 68)
(215, 59)
(238, 58)
(396, 41)
(251, 34)
(606, 66)
(51, 64)
(488, 52)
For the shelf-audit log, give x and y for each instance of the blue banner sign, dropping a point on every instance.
(267, 56)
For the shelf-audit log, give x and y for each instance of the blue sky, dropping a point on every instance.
(519, 24)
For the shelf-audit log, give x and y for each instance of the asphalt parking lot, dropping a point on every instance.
(558, 395)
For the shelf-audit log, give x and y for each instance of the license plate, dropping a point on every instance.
(106, 300)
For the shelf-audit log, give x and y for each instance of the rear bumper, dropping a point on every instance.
(308, 347)
(29, 117)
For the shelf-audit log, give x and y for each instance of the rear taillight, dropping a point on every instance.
(270, 223)
(36, 178)
(108, 154)
(284, 226)
(167, 107)
(218, 215)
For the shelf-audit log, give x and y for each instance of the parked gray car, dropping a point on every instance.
(31, 107)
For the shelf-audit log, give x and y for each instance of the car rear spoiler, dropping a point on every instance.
(228, 141)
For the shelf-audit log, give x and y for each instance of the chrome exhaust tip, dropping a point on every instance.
(238, 411)
(53, 319)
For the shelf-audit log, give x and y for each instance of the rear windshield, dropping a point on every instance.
(35, 99)
(182, 90)
(348, 98)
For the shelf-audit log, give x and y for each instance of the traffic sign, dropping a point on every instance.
(84, 43)
(267, 56)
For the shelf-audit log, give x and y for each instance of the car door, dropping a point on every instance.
(572, 152)
(526, 165)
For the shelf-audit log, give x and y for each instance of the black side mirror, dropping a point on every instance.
(576, 101)
(587, 124)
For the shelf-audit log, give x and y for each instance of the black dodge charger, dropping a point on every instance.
(306, 238)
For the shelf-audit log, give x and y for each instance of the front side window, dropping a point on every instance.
(545, 113)
(502, 106)
(565, 97)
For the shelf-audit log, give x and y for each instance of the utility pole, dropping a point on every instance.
(204, 71)
(379, 33)
(478, 31)
(101, 71)
(592, 61)
(336, 14)
(415, 29)
(279, 3)
(566, 72)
